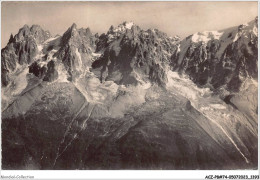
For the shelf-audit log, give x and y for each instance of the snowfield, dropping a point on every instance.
(206, 36)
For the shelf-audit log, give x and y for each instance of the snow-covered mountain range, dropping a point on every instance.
(130, 99)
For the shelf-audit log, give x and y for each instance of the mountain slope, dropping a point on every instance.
(130, 53)
(220, 58)
(21, 49)
(84, 101)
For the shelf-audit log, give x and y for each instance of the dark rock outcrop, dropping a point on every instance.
(37, 70)
(48, 73)
(52, 73)
(130, 53)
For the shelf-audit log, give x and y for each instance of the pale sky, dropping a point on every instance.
(173, 18)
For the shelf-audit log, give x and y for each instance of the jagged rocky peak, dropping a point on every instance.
(157, 36)
(121, 27)
(85, 32)
(232, 33)
(34, 31)
(21, 49)
(77, 37)
(70, 34)
(135, 54)
(250, 27)
(11, 39)
(73, 26)
(76, 48)
(23, 32)
(51, 94)
(130, 31)
(115, 32)
(219, 58)
(39, 34)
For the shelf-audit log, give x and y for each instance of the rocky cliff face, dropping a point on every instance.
(132, 55)
(220, 58)
(84, 101)
(21, 49)
(76, 50)
(225, 61)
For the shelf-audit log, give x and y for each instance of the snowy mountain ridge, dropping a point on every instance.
(130, 99)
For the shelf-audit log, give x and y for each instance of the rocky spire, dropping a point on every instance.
(11, 39)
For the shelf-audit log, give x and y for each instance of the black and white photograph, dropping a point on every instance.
(129, 85)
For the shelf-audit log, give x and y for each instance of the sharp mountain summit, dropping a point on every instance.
(130, 99)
